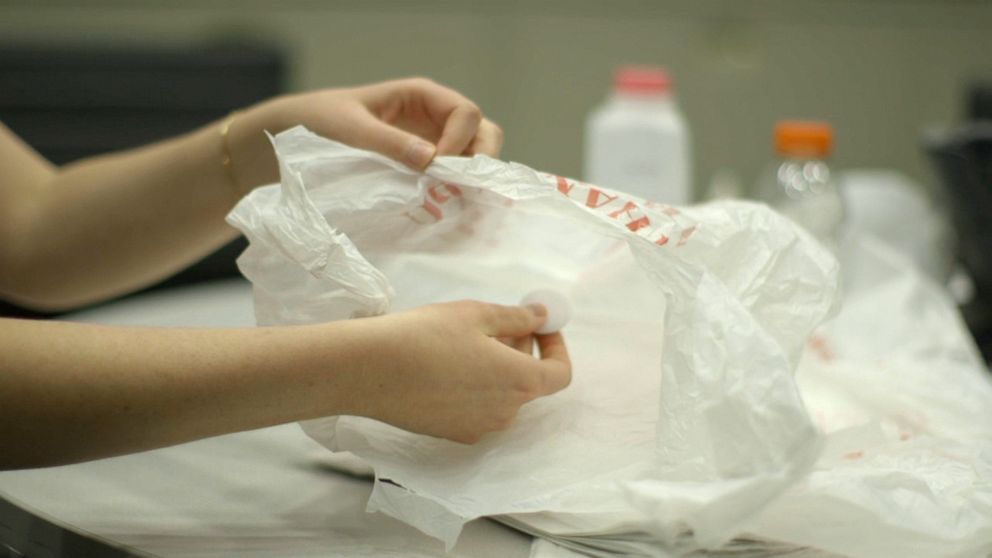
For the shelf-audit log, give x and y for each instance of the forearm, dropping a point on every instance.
(111, 224)
(71, 392)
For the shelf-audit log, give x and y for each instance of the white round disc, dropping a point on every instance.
(559, 308)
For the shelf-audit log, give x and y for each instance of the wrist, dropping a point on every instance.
(252, 159)
(345, 372)
(367, 357)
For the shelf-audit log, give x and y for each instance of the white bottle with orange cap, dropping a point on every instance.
(637, 142)
(799, 183)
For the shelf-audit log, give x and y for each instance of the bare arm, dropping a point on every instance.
(71, 392)
(108, 225)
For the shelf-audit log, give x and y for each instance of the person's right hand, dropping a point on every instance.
(446, 373)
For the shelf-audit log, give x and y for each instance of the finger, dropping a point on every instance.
(488, 140)
(393, 142)
(511, 321)
(524, 344)
(455, 115)
(460, 128)
(556, 366)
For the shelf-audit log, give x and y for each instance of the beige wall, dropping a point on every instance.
(880, 70)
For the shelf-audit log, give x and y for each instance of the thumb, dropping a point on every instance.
(396, 144)
(512, 321)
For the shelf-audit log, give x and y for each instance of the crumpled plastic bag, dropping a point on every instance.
(903, 398)
(683, 416)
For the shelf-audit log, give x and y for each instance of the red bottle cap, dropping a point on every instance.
(641, 79)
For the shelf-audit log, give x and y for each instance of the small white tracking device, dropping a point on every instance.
(559, 308)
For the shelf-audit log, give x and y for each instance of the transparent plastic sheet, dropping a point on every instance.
(683, 418)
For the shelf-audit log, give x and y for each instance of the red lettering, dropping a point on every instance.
(425, 213)
(592, 200)
(434, 210)
(821, 348)
(438, 191)
(632, 224)
(563, 186)
(663, 240)
(686, 234)
(639, 223)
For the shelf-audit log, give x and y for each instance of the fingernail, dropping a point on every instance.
(420, 154)
(538, 309)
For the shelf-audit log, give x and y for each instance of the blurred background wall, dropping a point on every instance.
(880, 70)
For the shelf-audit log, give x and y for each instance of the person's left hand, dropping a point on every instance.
(409, 120)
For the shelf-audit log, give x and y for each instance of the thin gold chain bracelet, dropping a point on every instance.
(227, 161)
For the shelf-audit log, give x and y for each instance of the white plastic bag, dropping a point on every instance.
(905, 402)
(683, 415)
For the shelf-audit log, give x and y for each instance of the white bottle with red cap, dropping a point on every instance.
(637, 142)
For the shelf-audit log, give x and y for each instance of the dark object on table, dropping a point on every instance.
(963, 160)
(980, 102)
(70, 102)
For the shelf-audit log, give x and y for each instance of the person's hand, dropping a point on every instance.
(410, 120)
(446, 373)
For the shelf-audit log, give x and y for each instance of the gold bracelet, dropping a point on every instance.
(226, 161)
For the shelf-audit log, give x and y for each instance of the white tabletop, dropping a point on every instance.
(253, 494)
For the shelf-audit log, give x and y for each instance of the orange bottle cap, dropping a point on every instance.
(795, 138)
